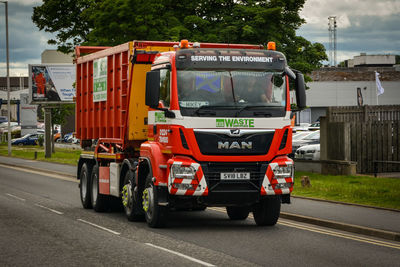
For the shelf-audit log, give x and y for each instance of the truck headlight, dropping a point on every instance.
(184, 172)
(283, 171)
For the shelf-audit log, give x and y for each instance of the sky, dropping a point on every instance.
(363, 26)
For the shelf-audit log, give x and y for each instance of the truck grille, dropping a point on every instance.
(212, 172)
(208, 143)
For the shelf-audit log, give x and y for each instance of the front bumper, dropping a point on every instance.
(207, 179)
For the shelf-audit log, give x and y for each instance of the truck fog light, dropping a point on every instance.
(183, 172)
(283, 171)
(185, 186)
(283, 185)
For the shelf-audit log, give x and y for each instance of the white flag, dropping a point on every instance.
(379, 87)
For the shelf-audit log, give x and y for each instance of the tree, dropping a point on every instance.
(67, 19)
(112, 22)
(59, 114)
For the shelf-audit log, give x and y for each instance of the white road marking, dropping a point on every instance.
(15, 197)
(181, 255)
(49, 209)
(100, 227)
(52, 175)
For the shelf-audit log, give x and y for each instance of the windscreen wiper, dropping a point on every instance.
(202, 110)
(247, 107)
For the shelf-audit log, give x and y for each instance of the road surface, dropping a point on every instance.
(43, 223)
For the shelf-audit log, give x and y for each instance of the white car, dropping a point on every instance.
(309, 152)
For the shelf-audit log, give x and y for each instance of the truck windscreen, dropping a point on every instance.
(239, 93)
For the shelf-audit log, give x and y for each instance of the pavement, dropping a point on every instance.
(372, 221)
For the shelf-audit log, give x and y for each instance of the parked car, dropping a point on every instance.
(4, 125)
(303, 126)
(314, 126)
(3, 119)
(28, 139)
(300, 135)
(309, 152)
(57, 136)
(68, 137)
(310, 139)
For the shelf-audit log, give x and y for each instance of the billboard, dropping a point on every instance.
(51, 83)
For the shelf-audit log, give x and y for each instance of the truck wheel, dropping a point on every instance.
(237, 213)
(199, 207)
(99, 201)
(133, 208)
(156, 216)
(267, 211)
(84, 185)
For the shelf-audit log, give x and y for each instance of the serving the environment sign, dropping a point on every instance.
(51, 82)
(100, 80)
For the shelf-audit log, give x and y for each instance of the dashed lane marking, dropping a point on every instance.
(49, 209)
(100, 227)
(181, 255)
(10, 195)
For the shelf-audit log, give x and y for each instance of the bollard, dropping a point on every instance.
(35, 154)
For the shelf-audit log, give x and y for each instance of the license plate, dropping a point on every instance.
(235, 176)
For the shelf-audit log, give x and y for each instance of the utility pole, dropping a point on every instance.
(8, 83)
(332, 40)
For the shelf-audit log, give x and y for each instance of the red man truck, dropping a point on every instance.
(169, 126)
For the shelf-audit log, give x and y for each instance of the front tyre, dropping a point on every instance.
(84, 185)
(132, 206)
(156, 216)
(267, 211)
(99, 201)
(237, 213)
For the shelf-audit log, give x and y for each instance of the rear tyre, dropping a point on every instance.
(156, 216)
(237, 213)
(267, 211)
(84, 185)
(199, 208)
(99, 201)
(132, 205)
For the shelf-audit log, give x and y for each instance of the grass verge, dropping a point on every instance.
(365, 190)
(62, 155)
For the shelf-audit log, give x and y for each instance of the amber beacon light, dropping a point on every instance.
(184, 44)
(271, 46)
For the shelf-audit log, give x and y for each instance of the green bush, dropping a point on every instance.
(41, 139)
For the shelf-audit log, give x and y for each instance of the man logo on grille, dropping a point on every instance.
(235, 145)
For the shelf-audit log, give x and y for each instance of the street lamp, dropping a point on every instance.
(8, 82)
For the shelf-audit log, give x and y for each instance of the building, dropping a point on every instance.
(364, 60)
(52, 56)
(18, 85)
(339, 87)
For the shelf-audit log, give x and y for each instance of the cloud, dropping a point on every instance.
(29, 3)
(316, 12)
(362, 26)
(26, 42)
